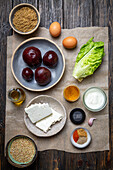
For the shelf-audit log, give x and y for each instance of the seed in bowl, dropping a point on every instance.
(22, 150)
(25, 19)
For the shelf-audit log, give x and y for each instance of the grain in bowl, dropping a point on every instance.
(21, 150)
(24, 18)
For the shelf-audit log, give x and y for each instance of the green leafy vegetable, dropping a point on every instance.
(89, 59)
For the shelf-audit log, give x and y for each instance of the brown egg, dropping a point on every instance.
(70, 42)
(55, 29)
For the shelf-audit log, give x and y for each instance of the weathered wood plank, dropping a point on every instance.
(101, 16)
(100, 12)
(16, 2)
(77, 13)
(4, 31)
(50, 10)
(109, 155)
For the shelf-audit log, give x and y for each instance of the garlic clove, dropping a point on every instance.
(90, 122)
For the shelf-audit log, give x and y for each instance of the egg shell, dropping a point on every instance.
(70, 42)
(55, 29)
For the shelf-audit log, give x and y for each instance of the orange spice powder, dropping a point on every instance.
(71, 93)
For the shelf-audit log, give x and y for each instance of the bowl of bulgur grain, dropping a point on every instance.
(24, 18)
(21, 151)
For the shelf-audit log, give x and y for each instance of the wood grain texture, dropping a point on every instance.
(77, 13)
(109, 155)
(70, 14)
(101, 12)
(16, 2)
(4, 31)
(50, 11)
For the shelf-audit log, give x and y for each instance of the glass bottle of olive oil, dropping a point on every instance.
(16, 95)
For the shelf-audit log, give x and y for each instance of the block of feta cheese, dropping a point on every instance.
(37, 112)
(46, 123)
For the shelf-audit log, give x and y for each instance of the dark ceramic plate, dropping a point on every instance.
(17, 63)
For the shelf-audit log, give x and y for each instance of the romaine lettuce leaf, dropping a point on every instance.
(89, 59)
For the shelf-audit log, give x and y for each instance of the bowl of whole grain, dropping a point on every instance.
(24, 19)
(21, 151)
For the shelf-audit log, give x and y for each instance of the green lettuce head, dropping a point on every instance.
(89, 59)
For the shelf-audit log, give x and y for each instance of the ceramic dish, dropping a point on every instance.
(104, 95)
(81, 146)
(72, 91)
(10, 158)
(17, 63)
(77, 116)
(16, 8)
(57, 106)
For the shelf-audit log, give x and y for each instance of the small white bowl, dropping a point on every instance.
(81, 146)
(100, 108)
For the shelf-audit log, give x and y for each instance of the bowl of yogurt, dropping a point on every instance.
(94, 99)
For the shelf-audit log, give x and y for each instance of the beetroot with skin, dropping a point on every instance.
(50, 59)
(42, 76)
(27, 74)
(32, 56)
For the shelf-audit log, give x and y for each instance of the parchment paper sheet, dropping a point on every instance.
(14, 124)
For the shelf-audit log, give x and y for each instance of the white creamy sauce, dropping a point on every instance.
(94, 99)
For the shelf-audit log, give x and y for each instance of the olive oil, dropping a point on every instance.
(16, 95)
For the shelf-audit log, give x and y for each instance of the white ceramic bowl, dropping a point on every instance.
(81, 146)
(101, 107)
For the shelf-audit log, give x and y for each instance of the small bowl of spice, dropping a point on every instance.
(80, 137)
(71, 93)
(24, 18)
(21, 151)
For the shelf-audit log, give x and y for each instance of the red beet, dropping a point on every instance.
(32, 56)
(27, 74)
(42, 76)
(50, 59)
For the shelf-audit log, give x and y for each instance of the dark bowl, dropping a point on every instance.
(11, 160)
(77, 116)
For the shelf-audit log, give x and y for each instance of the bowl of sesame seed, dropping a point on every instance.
(21, 151)
(24, 19)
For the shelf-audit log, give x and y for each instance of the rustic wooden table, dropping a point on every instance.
(70, 14)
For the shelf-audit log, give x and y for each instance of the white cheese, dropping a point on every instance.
(46, 123)
(36, 112)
